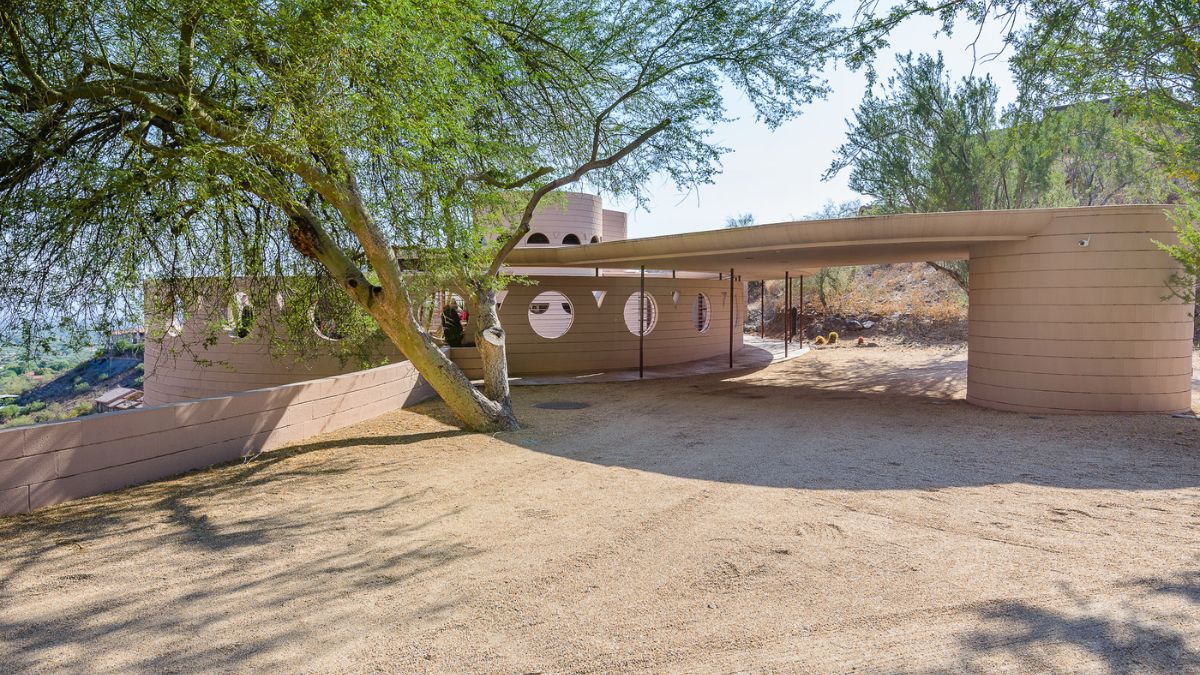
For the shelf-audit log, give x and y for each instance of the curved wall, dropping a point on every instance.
(599, 339)
(46, 464)
(581, 214)
(173, 373)
(1060, 327)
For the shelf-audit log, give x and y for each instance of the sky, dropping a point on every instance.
(776, 176)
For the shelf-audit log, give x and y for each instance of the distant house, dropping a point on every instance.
(135, 335)
(118, 398)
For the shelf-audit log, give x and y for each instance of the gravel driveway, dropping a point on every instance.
(846, 510)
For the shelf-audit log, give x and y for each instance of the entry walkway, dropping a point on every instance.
(756, 353)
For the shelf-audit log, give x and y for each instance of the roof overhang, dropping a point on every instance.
(767, 251)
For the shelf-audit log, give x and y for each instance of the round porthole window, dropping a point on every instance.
(551, 314)
(648, 313)
(701, 313)
(324, 317)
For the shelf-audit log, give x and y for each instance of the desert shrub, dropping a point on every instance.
(81, 387)
(833, 337)
(7, 412)
(820, 340)
(83, 409)
(35, 407)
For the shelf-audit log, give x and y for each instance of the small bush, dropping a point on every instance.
(35, 407)
(833, 337)
(819, 341)
(81, 387)
(83, 409)
(7, 412)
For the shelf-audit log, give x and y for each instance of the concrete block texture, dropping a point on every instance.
(1075, 319)
(47, 464)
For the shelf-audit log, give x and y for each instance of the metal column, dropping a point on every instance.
(762, 309)
(730, 317)
(800, 313)
(642, 326)
(787, 303)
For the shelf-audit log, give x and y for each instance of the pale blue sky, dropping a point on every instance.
(777, 175)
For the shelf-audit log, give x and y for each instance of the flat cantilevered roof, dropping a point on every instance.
(767, 251)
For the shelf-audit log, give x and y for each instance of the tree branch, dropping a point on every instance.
(579, 172)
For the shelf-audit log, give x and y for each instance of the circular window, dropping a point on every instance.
(239, 316)
(701, 313)
(648, 313)
(323, 315)
(551, 314)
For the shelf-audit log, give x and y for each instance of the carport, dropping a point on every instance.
(1067, 309)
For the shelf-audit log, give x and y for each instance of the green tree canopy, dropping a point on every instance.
(385, 149)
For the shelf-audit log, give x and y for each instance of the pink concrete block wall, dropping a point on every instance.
(1056, 326)
(50, 463)
(599, 339)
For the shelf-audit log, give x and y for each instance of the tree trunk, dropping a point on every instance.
(958, 277)
(490, 341)
(477, 411)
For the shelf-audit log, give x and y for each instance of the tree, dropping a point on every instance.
(1141, 56)
(384, 150)
(929, 145)
(740, 220)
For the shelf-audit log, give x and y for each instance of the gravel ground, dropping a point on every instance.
(843, 511)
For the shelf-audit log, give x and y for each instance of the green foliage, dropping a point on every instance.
(82, 409)
(8, 412)
(390, 149)
(81, 387)
(1186, 251)
(740, 220)
(1140, 57)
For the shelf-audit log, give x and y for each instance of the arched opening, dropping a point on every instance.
(571, 240)
(551, 314)
(649, 316)
(701, 313)
(537, 238)
(239, 316)
(595, 239)
(175, 324)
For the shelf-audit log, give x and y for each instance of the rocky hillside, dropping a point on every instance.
(904, 301)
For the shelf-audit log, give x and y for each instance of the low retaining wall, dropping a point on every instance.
(50, 463)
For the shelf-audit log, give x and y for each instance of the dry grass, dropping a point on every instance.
(912, 289)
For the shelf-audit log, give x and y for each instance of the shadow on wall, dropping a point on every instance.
(47, 464)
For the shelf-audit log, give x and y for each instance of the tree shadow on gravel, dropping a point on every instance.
(871, 427)
(1125, 641)
(236, 556)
